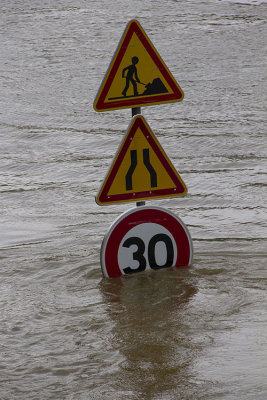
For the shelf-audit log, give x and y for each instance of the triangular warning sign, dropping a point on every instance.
(137, 76)
(140, 170)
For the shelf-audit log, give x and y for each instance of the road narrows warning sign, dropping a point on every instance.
(137, 75)
(140, 170)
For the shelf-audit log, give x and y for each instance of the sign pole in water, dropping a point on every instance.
(137, 111)
(143, 238)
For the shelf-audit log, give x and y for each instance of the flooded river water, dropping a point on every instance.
(190, 333)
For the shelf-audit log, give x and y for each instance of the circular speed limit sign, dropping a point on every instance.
(145, 238)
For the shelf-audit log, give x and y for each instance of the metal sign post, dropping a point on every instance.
(137, 111)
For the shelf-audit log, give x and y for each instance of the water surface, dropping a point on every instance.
(193, 333)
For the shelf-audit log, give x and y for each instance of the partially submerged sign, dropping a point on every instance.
(137, 76)
(140, 170)
(145, 238)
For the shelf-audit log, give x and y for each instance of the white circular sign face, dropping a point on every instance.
(145, 238)
(146, 246)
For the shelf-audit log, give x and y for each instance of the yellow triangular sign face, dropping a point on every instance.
(137, 76)
(140, 170)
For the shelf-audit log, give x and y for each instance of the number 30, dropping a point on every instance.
(138, 255)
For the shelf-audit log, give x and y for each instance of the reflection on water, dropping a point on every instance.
(150, 329)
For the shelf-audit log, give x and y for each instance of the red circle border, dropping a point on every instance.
(140, 215)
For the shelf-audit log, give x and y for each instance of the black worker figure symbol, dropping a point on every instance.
(131, 89)
(131, 76)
